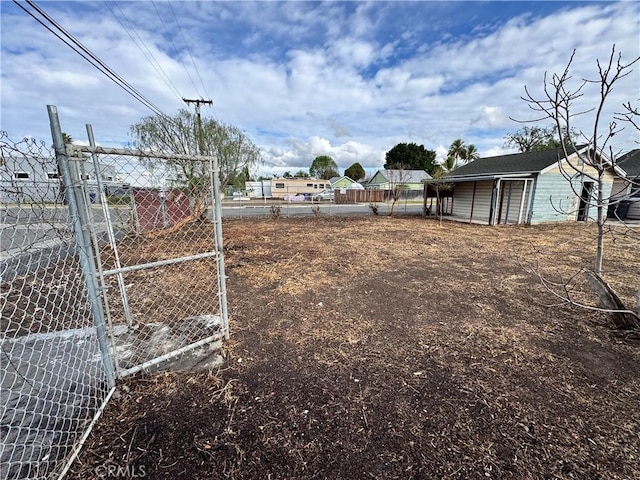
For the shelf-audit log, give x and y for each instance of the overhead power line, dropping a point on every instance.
(190, 54)
(89, 56)
(175, 47)
(140, 43)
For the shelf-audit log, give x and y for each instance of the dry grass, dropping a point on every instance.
(396, 348)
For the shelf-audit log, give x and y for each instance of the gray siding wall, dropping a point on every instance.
(625, 187)
(462, 200)
(620, 187)
(556, 201)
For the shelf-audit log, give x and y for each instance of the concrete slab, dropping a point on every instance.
(51, 384)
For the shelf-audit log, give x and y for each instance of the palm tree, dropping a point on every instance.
(471, 153)
(457, 150)
(449, 165)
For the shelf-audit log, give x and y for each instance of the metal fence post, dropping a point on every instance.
(222, 278)
(104, 201)
(77, 210)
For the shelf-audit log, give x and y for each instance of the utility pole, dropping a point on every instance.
(198, 102)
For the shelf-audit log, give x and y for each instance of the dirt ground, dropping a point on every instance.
(393, 348)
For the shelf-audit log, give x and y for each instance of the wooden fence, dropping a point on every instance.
(357, 196)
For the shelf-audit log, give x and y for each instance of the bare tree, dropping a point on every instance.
(439, 185)
(595, 158)
(397, 185)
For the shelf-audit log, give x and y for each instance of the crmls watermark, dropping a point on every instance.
(110, 470)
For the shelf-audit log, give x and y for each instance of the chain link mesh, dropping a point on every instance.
(159, 261)
(52, 377)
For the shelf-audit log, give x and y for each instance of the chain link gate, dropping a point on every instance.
(155, 221)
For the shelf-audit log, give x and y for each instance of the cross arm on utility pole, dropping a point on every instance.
(198, 102)
(200, 133)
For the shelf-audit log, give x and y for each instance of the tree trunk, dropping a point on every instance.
(621, 317)
(601, 220)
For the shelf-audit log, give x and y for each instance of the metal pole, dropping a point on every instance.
(110, 235)
(528, 215)
(163, 208)
(222, 278)
(506, 215)
(84, 249)
(524, 194)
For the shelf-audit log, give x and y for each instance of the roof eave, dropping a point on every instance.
(481, 177)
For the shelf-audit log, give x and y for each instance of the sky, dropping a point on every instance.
(302, 79)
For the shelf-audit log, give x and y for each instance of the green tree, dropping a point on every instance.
(459, 152)
(471, 153)
(179, 134)
(445, 168)
(324, 167)
(301, 174)
(410, 156)
(243, 177)
(355, 172)
(529, 139)
(287, 174)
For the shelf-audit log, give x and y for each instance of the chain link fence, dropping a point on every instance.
(111, 263)
(339, 202)
(52, 378)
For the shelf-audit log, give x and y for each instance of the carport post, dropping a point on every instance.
(473, 201)
(74, 195)
(506, 214)
(524, 194)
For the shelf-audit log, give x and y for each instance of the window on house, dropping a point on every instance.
(279, 185)
(53, 175)
(315, 186)
(20, 175)
(309, 185)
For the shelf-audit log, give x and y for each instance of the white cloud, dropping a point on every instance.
(305, 79)
(492, 116)
(495, 151)
(441, 153)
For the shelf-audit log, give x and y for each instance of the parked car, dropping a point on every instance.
(323, 195)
